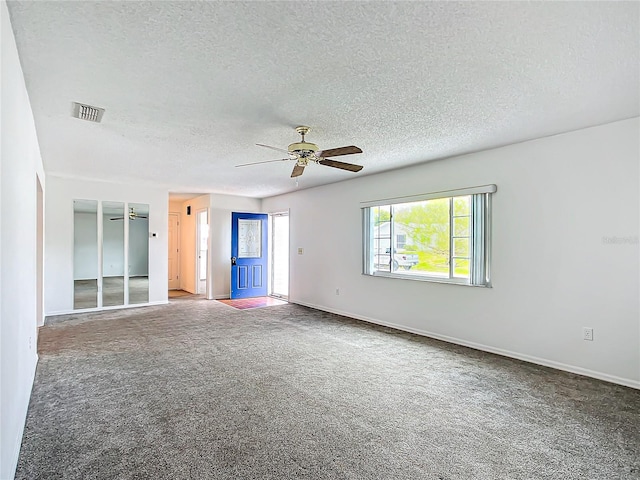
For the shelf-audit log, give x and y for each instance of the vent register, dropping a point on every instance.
(87, 112)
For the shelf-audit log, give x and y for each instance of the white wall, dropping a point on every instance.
(59, 239)
(175, 206)
(20, 163)
(559, 199)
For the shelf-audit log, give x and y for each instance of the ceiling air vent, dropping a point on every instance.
(87, 112)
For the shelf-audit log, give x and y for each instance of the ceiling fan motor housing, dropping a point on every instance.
(303, 149)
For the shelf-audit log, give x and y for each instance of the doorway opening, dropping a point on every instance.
(202, 221)
(279, 253)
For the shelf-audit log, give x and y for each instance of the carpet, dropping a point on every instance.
(255, 302)
(197, 390)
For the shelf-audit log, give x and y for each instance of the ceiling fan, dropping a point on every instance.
(132, 215)
(304, 153)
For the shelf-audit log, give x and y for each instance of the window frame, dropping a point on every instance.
(479, 236)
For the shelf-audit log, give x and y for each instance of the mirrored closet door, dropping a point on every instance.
(138, 253)
(85, 254)
(113, 222)
(111, 254)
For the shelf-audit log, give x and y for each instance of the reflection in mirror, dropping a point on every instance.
(85, 254)
(113, 219)
(138, 253)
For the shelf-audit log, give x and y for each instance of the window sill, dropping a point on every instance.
(424, 278)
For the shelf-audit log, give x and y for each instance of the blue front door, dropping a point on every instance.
(248, 255)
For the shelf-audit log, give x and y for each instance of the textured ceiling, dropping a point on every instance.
(189, 88)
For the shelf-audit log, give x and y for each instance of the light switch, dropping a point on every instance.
(300, 250)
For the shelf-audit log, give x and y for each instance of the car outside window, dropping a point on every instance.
(430, 238)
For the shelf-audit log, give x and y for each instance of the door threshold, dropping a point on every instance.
(279, 297)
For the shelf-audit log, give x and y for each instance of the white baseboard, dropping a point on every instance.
(15, 454)
(159, 302)
(627, 382)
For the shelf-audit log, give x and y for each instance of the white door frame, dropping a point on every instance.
(39, 253)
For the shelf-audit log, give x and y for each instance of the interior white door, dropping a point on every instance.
(174, 251)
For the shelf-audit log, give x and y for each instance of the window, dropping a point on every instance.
(442, 236)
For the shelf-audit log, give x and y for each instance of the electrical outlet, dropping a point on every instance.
(30, 343)
(588, 333)
(337, 291)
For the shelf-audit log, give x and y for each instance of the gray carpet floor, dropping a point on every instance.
(199, 390)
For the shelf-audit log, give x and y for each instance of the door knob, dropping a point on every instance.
(233, 260)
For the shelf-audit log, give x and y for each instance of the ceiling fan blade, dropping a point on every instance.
(335, 152)
(297, 171)
(273, 148)
(117, 218)
(344, 166)
(267, 161)
(139, 216)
